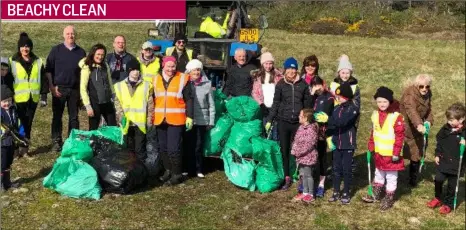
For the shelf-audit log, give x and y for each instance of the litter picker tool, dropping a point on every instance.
(424, 152)
(459, 172)
(369, 189)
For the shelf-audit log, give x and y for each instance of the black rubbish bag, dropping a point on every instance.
(119, 170)
(153, 162)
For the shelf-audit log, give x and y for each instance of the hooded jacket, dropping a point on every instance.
(204, 105)
(448, 149)
(289, 99)
(341, 125)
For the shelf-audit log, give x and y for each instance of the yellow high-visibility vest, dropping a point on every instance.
(23, 87)
(134, 107)
(384, 136)
(170, 51)
(212, 28)
(150, 71)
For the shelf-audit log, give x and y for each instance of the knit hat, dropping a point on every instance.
(192, 65)
(24, 40)
(344, 63)
(290, 63)
(4, 60)
(345, 91)
(384, 92)
(265, 57)
(6, 93)
(180, 37)
(167, 59)
(133, 64)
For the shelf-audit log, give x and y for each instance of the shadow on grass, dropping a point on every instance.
(39, 175)
(41, 149)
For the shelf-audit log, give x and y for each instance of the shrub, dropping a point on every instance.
(328, 26)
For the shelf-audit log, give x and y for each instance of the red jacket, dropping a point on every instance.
(384, 162)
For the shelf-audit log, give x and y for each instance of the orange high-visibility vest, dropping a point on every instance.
(169, 103)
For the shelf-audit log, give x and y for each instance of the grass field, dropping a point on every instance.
(214, 202)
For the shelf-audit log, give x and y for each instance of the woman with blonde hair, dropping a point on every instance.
(418, 117)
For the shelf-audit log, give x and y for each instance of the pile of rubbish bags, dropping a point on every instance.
(250, 160)
(96, 161)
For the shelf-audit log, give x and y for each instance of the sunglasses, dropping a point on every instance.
(424, 87)
(180, 42)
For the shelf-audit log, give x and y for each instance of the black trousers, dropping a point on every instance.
(26, 112)
(342, 160)
(107, 111)
(286, 132)
(451, 185)
(7, 157)
(193, 149)
(322, 157)
(136, 142)
(170, 137)
(70, 99)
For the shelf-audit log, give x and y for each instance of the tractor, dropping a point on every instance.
(216, 53)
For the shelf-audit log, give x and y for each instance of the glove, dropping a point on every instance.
(330, 144)
(395, 158)
(427, 127)
(268, 125)
(123, 122)
(321, 117)
(189, 124)
(21, 131)
(43, 100)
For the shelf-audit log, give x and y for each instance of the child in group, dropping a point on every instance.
(447, 156)
(386, 144)
(322, 101)
(304, 149)
(345, 76)
(342, 131)
(7, 77)
(9, 117)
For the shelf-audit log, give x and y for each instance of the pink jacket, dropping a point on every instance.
(304, 144)
(257, 93)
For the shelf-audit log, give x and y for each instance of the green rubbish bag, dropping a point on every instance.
(73, 178)
(241, 134)
(238, 170)
(243, 108)
(269, 171)
(217, 137)
(77, 145)
(219, 99)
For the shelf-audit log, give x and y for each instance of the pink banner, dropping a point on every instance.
(102, 10)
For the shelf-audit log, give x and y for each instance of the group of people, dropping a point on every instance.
(171, 95)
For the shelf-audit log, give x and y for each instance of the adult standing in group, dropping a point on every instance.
(182, 54)
(119, 59)
(310, 68)
(239, 82)
(29, 84)
(63, 73)
(134, 104)
(97, 88)
(173, 114)
(150, 63)
(291, 96)
(417, 111)
(264, 81)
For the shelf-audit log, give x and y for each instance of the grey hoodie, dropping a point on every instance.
(204, 105)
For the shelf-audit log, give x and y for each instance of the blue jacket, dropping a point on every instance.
(11, 119)
(342, 125)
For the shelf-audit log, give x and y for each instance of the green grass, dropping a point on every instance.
(216, 203)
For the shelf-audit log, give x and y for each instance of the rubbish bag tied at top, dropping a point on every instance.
(269, 170)
(243, 108)
(217, 137)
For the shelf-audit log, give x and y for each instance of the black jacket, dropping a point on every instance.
(289, 99)
(119, 72)
(323, 103)
(448, 149)
(342, 125)
(239, 82)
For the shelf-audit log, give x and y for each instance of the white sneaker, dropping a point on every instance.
(200, 175)
(184, 174)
